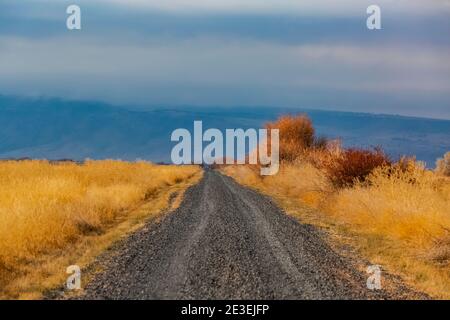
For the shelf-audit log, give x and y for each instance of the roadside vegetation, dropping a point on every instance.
(395, 213)
(53, 215)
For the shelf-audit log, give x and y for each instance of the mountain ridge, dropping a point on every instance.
(55, 128)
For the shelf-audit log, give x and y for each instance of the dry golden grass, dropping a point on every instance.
(52, 215)
(443, 165)
(409, 206)
(400, 217)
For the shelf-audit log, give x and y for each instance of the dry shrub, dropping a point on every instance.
(443, 165)
(405, 205)
(324, 157)
(440, 251)
(354, 165)
(299, 180)
(406, 164)
(296, 135)
(247, 174)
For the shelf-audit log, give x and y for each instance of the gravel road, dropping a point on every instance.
(226, 241)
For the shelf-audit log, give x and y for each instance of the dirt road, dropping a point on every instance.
(228, 242)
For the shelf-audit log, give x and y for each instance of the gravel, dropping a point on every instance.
(226, 241)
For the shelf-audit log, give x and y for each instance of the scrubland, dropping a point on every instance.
(56, 214)
(395, 213)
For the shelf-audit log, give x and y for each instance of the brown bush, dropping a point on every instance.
(296, 135)
(355, 165)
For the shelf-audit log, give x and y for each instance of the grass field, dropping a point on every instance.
(54, 215)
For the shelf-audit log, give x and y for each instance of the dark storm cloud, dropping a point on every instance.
(181, 52)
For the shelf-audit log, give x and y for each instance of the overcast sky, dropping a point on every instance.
(289, 53)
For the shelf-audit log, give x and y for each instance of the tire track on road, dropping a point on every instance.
(226, 241)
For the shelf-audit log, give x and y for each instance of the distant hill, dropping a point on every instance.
(56, 129)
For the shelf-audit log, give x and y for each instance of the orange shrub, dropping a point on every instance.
(296, 135)
(355, 165)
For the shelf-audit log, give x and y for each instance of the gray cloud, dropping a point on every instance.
(304, 53)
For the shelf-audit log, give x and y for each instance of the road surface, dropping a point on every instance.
(226, 241)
